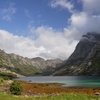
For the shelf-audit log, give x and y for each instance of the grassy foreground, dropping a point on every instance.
(47, 91)
(4, 96)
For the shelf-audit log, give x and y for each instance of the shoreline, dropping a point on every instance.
(48, 89)
(54, 89)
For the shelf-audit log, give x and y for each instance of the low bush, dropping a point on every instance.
(1, 80)
(16, 88)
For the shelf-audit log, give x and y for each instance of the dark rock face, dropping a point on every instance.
(82, 50)
(92, 61)
(85, 60)
(38, 59)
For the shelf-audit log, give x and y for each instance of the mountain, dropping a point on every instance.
(25, 66)
(85, 60)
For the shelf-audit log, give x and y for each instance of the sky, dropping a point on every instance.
(46, 28)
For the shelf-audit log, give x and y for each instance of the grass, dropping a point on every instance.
(50, 91)
(54, 88)
(4, 96)
(7, 75)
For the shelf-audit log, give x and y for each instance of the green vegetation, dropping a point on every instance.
(6, 75)
(16, 88)
(17, 64)
(4, 96)
(1, 80)
(26, 70)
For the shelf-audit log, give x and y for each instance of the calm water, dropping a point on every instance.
(69, 81)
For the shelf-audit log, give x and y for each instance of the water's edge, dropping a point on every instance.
(69, 81)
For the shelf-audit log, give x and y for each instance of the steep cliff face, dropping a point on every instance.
(25, 66)
(92, 62)
(85, 60)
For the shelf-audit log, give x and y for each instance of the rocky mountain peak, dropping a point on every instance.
(92, 37)
(2, 51)
(38, 59)
(85, 60)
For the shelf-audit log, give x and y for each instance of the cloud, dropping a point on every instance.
(19, 45)
(55, 42)
(8, 12)
(63, 4)
(81, 22)
(47, 42)
(91, 6)
(87, 20)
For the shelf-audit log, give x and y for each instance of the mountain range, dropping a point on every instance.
(26, 66)
(85, 60)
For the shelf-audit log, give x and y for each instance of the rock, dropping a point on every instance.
(97, 94)
(85, 60)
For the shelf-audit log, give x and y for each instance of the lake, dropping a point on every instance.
(68, 81)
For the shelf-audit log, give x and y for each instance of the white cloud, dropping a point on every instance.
(55, 42)
(49, 44)
(8, 12)
(87, 20)
(62, 3)
(91, 6)
(19, 45)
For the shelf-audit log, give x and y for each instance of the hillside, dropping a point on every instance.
(25, 66)
(85, 60)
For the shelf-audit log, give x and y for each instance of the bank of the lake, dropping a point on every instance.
(32, 89)
(68, 81)
(53, 88)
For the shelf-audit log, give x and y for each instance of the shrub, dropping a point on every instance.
(16, 88)
(1, 80)
(7, 75)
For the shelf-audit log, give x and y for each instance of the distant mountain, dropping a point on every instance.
(85, 60)
(25, 66)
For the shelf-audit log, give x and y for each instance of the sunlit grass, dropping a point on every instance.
(4, 96)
